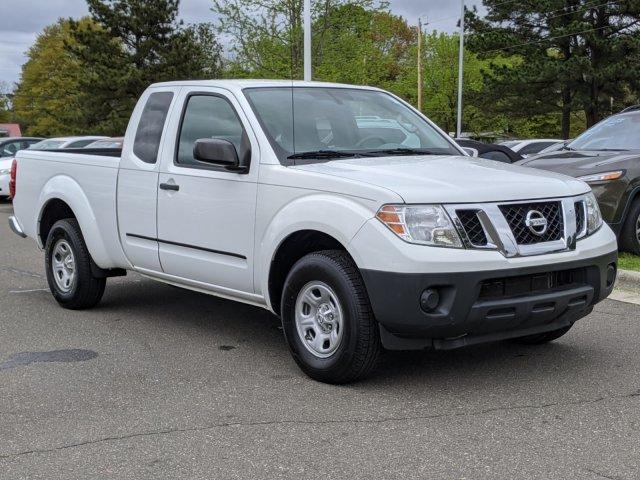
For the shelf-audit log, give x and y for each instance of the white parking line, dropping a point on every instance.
(31, 290)
(21, 272)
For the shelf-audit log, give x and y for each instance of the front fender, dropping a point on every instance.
(625, 205)
(65, 188)
(337, 216)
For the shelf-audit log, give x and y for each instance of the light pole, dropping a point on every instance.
(460, 70)
(307, 40)
(419, 64)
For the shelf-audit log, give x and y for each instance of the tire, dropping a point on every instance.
(541, 338)
(630, 233)
(352, 346)
(75, 287)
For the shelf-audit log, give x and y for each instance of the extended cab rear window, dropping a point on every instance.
(147, 141)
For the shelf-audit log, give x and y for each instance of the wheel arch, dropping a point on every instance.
(292, 248)
(62, 197)
(633, 196)
(52, 211)
(314, 222)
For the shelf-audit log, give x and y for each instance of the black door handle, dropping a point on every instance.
(169, 186)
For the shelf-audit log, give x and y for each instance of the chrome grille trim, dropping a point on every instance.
(581, 218)
(500, 236)
(473, 227)
(516, 216)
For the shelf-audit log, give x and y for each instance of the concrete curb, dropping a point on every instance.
(628, 281)
(627, 287)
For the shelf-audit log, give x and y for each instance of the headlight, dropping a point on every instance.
(5, 171)
(423, 224)
(602, 177)
(594, 217)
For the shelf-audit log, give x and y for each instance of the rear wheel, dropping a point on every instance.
(327, 318)
(68, 267)
(630, 234)
(541, 338)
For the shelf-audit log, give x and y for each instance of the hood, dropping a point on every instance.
(580, 163)
(451, 179)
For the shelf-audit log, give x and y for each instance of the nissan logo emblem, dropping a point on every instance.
(536, 222)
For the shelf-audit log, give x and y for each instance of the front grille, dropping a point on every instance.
(498, 288)
(516, 215)
(580, 216)
(472, 227)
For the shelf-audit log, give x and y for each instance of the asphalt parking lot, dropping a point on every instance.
(159, 382)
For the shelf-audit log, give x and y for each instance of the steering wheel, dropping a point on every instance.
(381, 141)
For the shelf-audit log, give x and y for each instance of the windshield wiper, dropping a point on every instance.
(323, 154)
(610, 150)
(404, 151)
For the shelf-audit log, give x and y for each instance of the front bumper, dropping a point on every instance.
(15, 227)
(489, 305)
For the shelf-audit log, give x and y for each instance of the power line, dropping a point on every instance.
(587, 7)
(438, 20)
(568, 6)
(582, 9)
(545, 39)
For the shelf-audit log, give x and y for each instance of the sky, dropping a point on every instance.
(22, 20)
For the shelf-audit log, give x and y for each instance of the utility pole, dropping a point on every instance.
(460, 70)
(307, 40)
(419, 65)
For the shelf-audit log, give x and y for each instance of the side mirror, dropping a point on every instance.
(472, 152)
(217, 151)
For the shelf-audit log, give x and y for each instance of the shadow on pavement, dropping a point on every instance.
(485, 366)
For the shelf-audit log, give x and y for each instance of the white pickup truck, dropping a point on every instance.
(341, 209)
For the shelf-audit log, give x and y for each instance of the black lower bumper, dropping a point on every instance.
(478, 307)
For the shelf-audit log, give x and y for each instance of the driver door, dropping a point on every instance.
(206, 214)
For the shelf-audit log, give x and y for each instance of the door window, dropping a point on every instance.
(209, 116)
(27, 143)
(147, 142)
(9, 149)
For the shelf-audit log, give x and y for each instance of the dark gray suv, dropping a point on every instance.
(607, 157)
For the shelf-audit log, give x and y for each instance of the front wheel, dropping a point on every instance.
(68, 267)
(630, 234)
(327, 318)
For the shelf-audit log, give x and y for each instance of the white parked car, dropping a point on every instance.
(527, 148)
(114, 142)
(9, 146)
(65, 142)
(280, 195)
(5, 170)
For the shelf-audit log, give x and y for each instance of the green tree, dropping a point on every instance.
(576, 55)
(353, 40)
(440, 84)
(46, 100)
(5, 103)
(129, 45)
(440, 75)
(360, 45)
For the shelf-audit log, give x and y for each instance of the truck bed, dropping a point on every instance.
(88, 175)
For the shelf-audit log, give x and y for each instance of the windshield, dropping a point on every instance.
(106, 144)
(620, 132)
(46, 145)
(328, 123)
